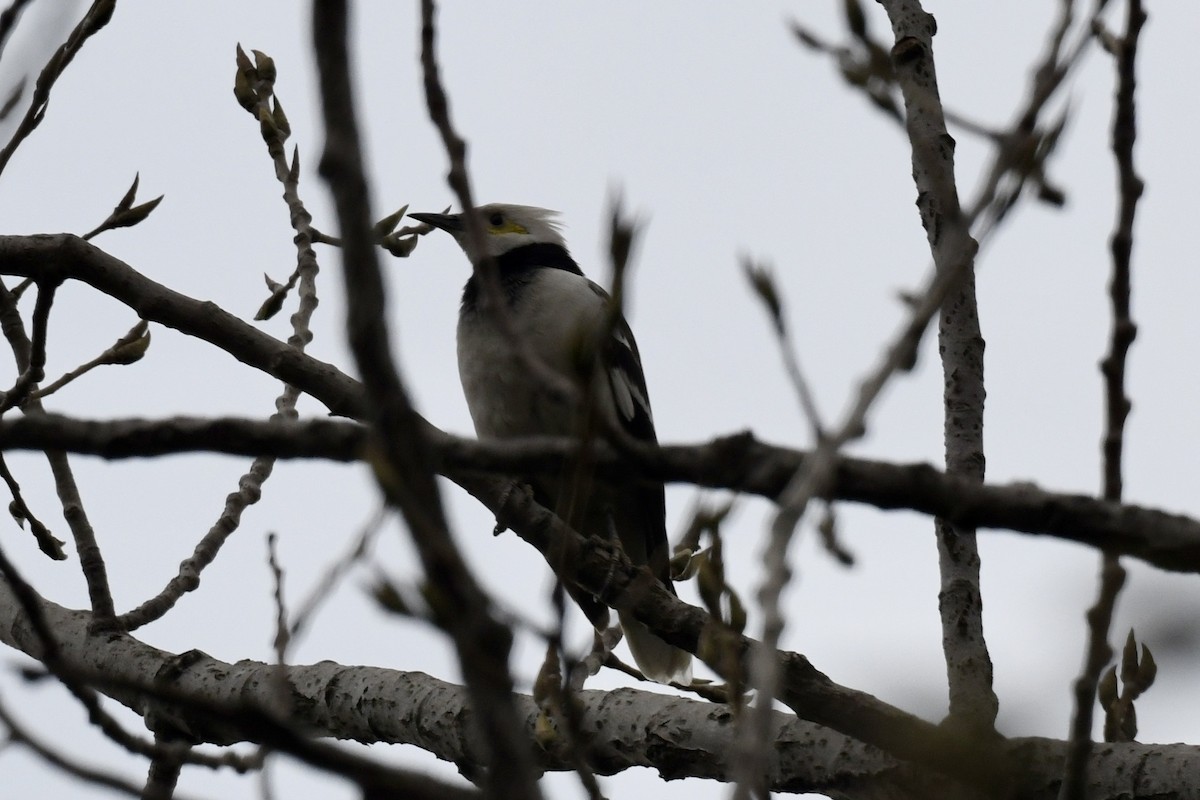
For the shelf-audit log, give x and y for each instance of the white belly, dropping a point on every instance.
(504, 398)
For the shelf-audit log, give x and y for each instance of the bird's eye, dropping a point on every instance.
(496, 219)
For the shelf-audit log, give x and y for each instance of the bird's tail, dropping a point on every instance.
(657, 660)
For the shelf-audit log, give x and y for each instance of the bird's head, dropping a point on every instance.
(505, 227)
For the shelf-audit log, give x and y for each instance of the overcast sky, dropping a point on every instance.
(727, 139)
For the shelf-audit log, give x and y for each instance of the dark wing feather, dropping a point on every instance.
(623, 372)
(639, 510)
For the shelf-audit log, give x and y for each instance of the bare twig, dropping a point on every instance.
(283, 635)
(13, 328)
(1117, 403)
(97, 17)
(125, 214)
(282, 701)
(187, 579)
(17, 733)
(26, 353)
(491, 301)
(1099, 653)
(8, 21)
(34, 368)
(274, 128)
(336, 440)
(14, 97)
(764, 285)
(60, 257)
(254, 88)
(361, 546)
(814, 479)
(1023, 150)
(47, 542)
(1124, 133)
(126, 350)
(400, 445)
(559, 699)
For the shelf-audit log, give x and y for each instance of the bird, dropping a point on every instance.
(555, 313)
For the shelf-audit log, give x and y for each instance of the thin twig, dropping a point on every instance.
(13, 329)
(96, 18)
(1099, 653)
(404, 470)
(8, 21)
(17, 733)
(283, 636)
(357, 551)
(282, 641)
(579, 482)
(47, 542)
(492, 302)
(126, 350)
(767, 289)
(34, 369)
(1023, 149)
(275, 131)
(187, 579)
(1117, 402)
(1020, 152)
(26, 353)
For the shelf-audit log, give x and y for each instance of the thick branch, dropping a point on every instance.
(968, 664)
(739, 462)
(63, 256)
(631, 727)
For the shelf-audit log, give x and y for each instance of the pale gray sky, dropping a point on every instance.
(728, 139)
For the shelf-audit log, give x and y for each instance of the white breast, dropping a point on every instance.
(550, 316)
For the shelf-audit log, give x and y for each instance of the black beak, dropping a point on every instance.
(451, 223)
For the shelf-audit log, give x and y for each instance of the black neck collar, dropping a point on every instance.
(518, 265)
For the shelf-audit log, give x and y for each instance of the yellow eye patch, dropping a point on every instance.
(507, 226)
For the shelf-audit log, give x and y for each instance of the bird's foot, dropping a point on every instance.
(506, 494)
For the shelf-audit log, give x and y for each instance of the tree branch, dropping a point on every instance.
(97, 17)
(399, 442)
(91, 560)
(739, 462)
(631, 727)
(1117, 403)
(973, 703)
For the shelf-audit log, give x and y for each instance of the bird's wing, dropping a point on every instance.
(622, 365)
(638, 508)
